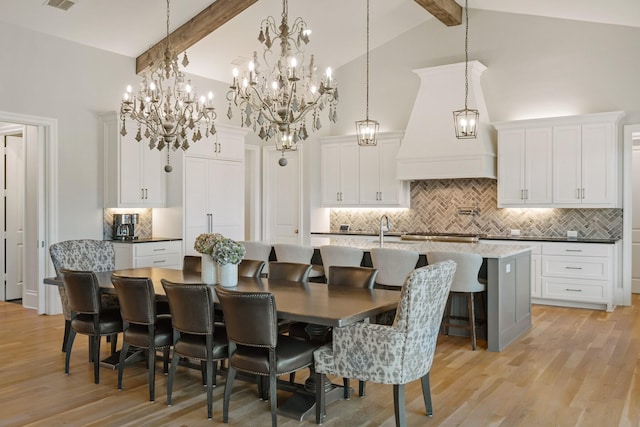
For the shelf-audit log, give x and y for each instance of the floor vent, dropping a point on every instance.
(60, 4)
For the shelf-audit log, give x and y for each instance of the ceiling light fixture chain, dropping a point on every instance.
(466, 120)
(276, 97)
(167, 107)
(367, 130)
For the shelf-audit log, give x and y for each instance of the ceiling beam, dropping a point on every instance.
(197, 28)
(447, 11)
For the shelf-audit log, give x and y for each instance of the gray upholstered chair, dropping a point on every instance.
(393, 266)
(88, 317)
(300, 254)
(255, 346)
(142, 327)
(259, 251)
(465, 283)
(396, 354)
(196, 334)
(82, 255)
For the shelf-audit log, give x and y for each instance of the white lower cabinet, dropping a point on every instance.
(579, 274)
(166, 254)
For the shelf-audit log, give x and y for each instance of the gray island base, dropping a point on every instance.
(508, 282)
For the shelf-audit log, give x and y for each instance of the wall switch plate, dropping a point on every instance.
(515, 232)
(572, 233)
(507, 268)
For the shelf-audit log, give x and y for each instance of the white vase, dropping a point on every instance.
(209, 273)
(228, 275)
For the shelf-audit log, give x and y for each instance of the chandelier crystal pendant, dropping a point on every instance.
(275, 97)
(168, 108)
(367, 130)
(466, 121)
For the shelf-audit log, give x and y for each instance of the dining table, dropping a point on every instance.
(310, 302)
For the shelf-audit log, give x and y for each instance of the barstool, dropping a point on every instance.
(300, 254)
(259, 251)
(465, 281)
(340, 256)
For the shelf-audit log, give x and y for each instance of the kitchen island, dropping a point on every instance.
(508, 280)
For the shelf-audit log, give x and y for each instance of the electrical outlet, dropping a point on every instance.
(572, 233)
(515, 232)
(507, 268)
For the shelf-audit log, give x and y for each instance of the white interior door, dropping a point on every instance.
(282, 185)
(635, 223)
(14, 219)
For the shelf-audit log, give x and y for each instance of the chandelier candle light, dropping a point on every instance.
(167, 107)
(466, 120)
(276, 96)
(367, 130)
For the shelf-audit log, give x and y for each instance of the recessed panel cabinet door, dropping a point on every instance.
(153, 176)
(390, 187)
(226, 198)
(567, 181)
(538, 166)
(349, 173)
(511, 167)
(196, 205)
(598, 164)
(131, 191)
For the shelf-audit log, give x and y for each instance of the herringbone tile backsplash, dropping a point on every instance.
(435, 207)
(143, 228)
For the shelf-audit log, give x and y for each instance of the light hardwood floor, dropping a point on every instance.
(574, 368)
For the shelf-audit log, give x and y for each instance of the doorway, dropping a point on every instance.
(40, 137)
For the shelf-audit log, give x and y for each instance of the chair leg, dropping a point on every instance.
(114, 343)
(292, 377)
(447, 315)
(472, 320)
(273, 397)
(172, 374)
(346, 387)
(72, 337)
(65, 337)
(203, 371)
(96, 358)
(361, 388)
(398, 405)
(210, 375)
(123, 357)
(152, 373)
(231, 373)
(165, 365)
(426, 394)
(321, 397)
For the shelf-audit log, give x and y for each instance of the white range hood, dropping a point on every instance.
(430, 149)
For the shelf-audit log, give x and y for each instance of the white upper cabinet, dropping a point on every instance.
(563, 162)
(524, 167)
(378, 183)
(362, 176)
(339, 173)
(585, 165)
(134, 175)
(225, 144)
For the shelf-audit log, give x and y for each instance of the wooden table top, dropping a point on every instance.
(310, 302)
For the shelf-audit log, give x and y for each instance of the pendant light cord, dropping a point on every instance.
(367, 78)
(466, 53)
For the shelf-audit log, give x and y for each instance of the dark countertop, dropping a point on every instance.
(512, 238)
(149, 240)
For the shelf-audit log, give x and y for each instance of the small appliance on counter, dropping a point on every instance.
(124, 226)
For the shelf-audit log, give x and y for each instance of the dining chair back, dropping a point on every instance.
(393, 265)
(82, 255)
(396, 354)
(340, 256)
(258, 251)
(250, 268)
(142, 327)
(192, 263)
(255, 346)
(291, 271)
(88, 317)
(301, 254)
(466, 284)
(196, 334)
(352, 277)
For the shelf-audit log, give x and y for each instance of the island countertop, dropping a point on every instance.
(483, 249)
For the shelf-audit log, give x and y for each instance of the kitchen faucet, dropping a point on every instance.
(385, 225)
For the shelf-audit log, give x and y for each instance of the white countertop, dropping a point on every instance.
(483, 249)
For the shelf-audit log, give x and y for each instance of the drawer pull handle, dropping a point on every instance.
(573, 250)
(159, 249)
(573, 290)
(162, 261)
(573, 268)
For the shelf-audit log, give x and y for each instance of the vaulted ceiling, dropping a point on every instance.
(225, 31)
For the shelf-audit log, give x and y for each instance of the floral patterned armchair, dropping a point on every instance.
(83, 255)
(396, 354)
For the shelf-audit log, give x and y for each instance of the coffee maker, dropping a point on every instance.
(124, 226)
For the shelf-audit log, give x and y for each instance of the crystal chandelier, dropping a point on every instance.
(276, 97)
(367, 130)
(167, 107)
(466, 120)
